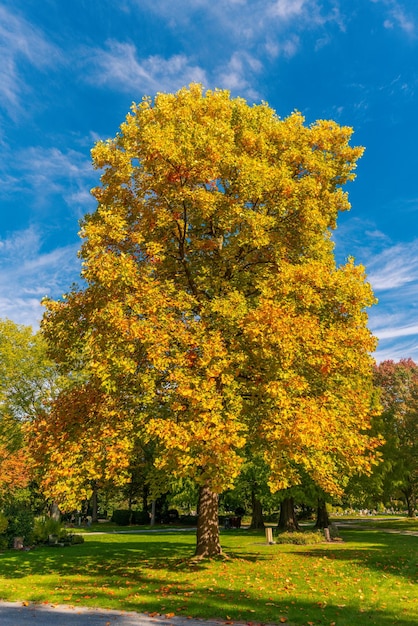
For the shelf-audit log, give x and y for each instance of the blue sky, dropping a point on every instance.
(70, 71)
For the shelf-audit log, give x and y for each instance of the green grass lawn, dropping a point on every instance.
(370, 578)
(387, 522)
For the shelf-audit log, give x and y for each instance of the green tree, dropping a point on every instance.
(214, 313)
(398, 385)
(27, 379)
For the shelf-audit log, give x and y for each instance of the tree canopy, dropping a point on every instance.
(214, 319)
(398, 384)
(27, 379)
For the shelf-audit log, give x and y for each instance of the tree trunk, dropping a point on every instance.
(257, 512)
(130, 495)
(145, 493)
(153, 503)
(287, 519)
(322, 519)
(207, 538)
(410, 501)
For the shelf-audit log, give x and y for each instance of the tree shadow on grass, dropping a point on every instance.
(157, 575)
(100, 573)
(393, 554)
(98, 558)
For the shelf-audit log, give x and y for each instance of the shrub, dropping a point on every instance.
(122, 517)
(140, 517)
(170, 516)
(46, 526)
(20, 523)
(271, 518)
(65, 540)
(75, 539)
(188, 520)
(4, 522)
(300, 538)
(4, 540)
(305, 513)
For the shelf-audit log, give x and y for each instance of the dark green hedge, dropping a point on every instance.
(124, 517)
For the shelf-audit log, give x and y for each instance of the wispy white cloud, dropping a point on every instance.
(228, 43)
(117, 65)
(394, 267)
(285, 47)
(397, 17)
(241, 13)
(396, 342)
(397, 331)
(397, 350)
(27, 274)
(43, 172)
(252, 26)
(393, 274)
(247, 28)
(236, 75)
(392, 270)
(287, 9)
(350, 240)
(21, 43)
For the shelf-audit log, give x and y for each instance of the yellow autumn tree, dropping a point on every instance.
(214, 316)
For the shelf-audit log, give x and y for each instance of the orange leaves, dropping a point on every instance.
(14, 469)
(85, 437)
(309, 334)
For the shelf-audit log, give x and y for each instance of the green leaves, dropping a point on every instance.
(28, 381)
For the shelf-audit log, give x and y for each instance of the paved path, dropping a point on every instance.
(28, 614)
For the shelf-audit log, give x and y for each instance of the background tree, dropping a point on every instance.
(79, 439)
(398, 385)
(28, 379)
(250, 491)
(27, 376)
(214, 313)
